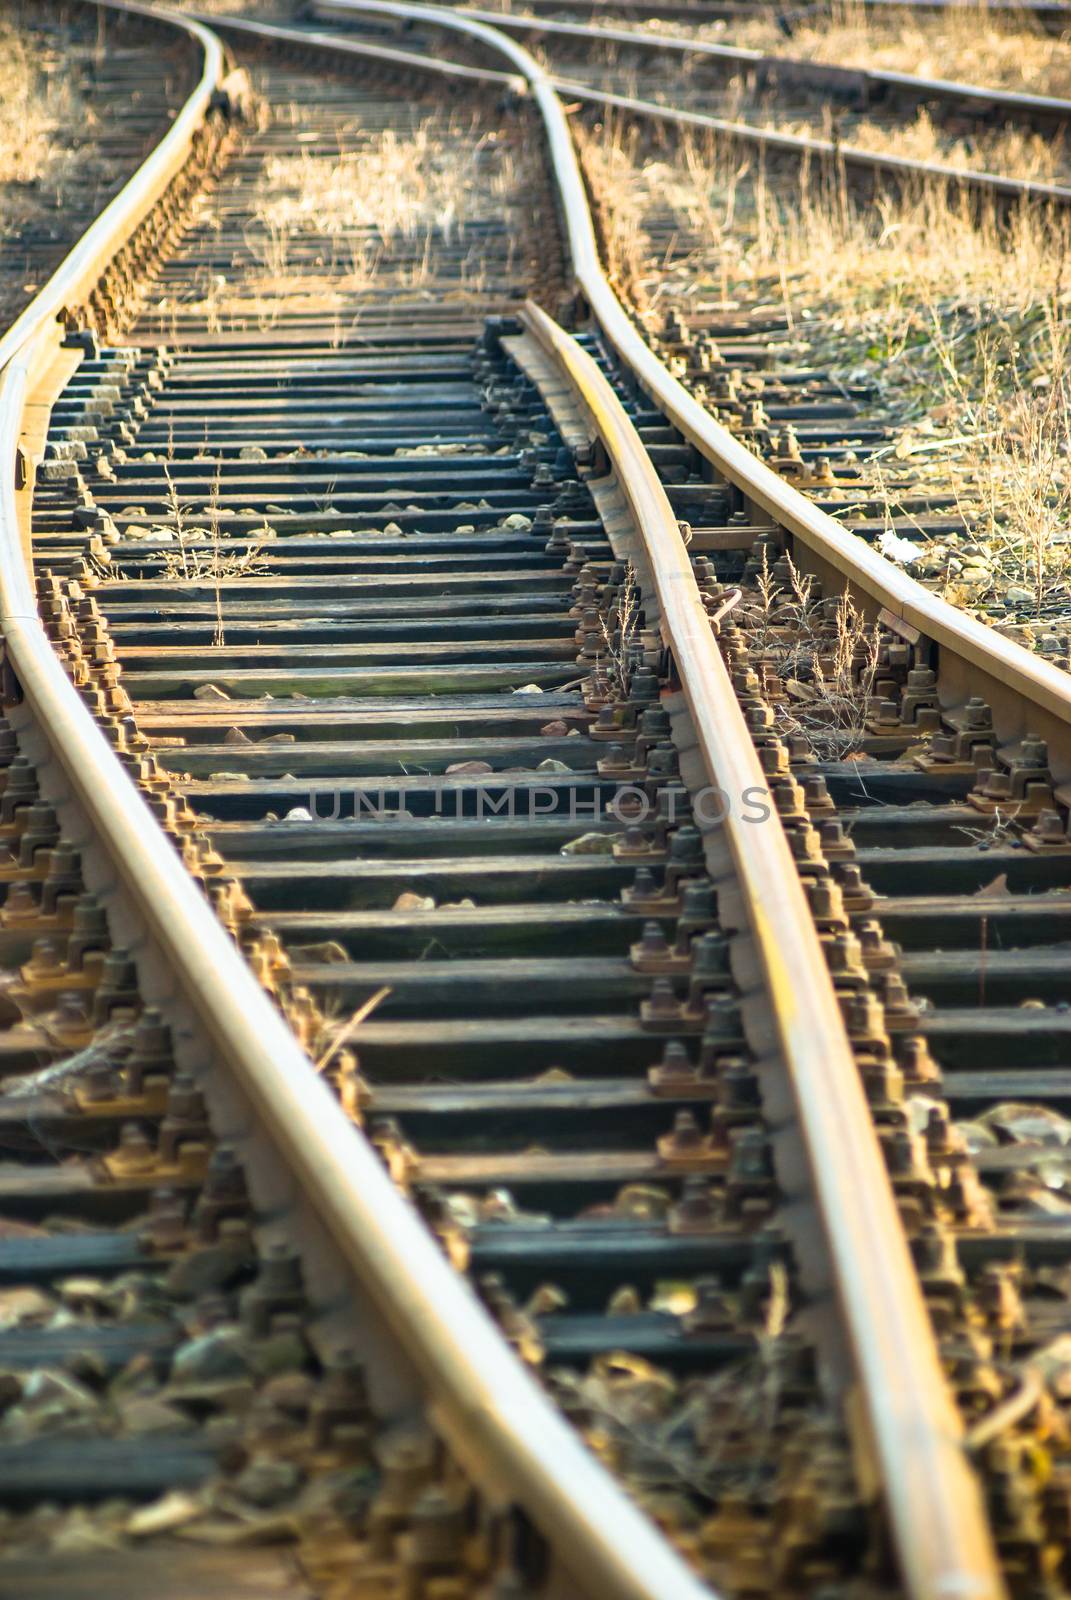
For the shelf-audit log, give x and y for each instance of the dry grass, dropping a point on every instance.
(1013, 152)
(612, 670)
(201, 554)
(960, 323)
(682, 1447)
(824, 652)
(433, 206)
(1005, 453)
(970, 43)
(56, 169)
(394, 185)
(38, 104)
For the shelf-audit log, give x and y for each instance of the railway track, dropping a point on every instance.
(47, 210)
(840, 439)
(1049, 14)
(1046, 13)
(778, 104)
(707, 76)
(145, 1315)
(372, 578)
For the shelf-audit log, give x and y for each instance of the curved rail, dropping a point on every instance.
(81, 267)
(852, 80)
(933, 1497)
(992, 184)
(989, 184)
(403, 58)
(942, 1543)
(493, 1415)
(1026, 693)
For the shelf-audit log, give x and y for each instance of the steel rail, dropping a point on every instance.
(911, 1410)
(80, 269)
(496, 1419)
(852, 78)
(995, 184)
(934, 1500)
(932, 1495)
(806, 10)
(771, 139)
(514, 81)
(1027, 694)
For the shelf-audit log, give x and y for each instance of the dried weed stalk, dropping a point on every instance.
(823, 652)
(203, 556)
(665, 1439)
(618, 627)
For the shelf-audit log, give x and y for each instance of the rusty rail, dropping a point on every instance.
(934, 1500)
(457, 70)
(493, 1415)
(935, 1505)
(854, 80)
(993, 185)
(1026, 693)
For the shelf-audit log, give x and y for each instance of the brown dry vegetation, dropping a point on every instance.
(436, 207)
(959, 324)
(1017, 153)
(58, 99)
(393, 185)
(40, 107)
(971, 43)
